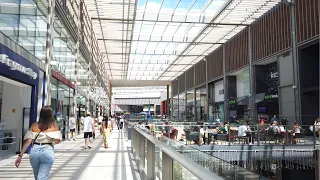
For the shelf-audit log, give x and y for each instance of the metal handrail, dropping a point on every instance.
(194, 168)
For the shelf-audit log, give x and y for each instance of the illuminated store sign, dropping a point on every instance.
(271, 96)
(232, 102)
(4, 59)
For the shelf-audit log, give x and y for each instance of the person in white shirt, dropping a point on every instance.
(244, 131)
(88, 127)
(72, 126)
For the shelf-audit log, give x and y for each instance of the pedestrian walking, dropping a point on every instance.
(88, 127)
(106, 125)
(41, 135)
(72, 126)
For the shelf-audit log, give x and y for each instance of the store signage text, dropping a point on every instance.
(271, 96)
(232, 102)
(274, 75)
(4, 59)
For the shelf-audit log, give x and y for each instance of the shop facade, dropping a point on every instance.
(263, 72)
(238, 101)
(62, 92)
(266, 89)
(21, 93)
(216, 102)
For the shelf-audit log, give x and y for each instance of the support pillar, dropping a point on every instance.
(178, 99)
(89, 90)
(151, 161)
(207, 94)
(225, 86)
(171, 102)
(296, 81)
(75, 96)
(185, 96)
(252, 97)
(49, 50)
(167, 167)
(168, 102)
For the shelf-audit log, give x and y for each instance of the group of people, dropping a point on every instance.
(44, 134)
(105, 126)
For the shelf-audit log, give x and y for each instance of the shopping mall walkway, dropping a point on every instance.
(72, 161)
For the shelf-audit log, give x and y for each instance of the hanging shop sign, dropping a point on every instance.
(4, 59)
(271, 96)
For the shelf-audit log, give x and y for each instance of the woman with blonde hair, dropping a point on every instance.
(42, 134)
(107, 127)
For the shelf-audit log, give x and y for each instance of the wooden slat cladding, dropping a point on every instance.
(271, 33)
(182, 83)
(174, 87)
(190, 78)
(215, 64)
(237, 51)
(200, 73)
(307, 19)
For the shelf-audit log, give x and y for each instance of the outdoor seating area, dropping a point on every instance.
(226, 134)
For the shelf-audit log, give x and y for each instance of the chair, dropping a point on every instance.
(243, 139)
(174, 134)
(192, 136)
(222, 138)
(300, 137)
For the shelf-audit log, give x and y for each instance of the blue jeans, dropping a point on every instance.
(41, 160)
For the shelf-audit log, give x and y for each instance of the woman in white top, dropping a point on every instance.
(42, 134)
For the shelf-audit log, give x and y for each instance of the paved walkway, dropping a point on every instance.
(72, 161)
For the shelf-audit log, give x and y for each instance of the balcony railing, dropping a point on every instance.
(225, 160)
(157, 160)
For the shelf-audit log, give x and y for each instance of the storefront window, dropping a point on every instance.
(190, 108)
(54, 96)
(217, 108)
(267, 83)
(175, 107)
(182, 106)
(239, 107)
(63, 48)
(201, 103)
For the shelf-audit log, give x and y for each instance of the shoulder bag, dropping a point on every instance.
(36, 138)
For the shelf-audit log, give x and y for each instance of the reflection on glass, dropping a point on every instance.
(201, 104)
(175, 107)
(25, 23)
(182, 110)
(190, 109)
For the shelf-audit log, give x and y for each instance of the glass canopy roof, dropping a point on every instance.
(160, 39)
(138, 92)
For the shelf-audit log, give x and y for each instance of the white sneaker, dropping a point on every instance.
(250, 143)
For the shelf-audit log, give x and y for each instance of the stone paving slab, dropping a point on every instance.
(72, 161)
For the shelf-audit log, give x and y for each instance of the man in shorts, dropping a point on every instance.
(72, 126)
(88, 127)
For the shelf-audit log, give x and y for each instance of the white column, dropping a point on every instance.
(49, 50)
